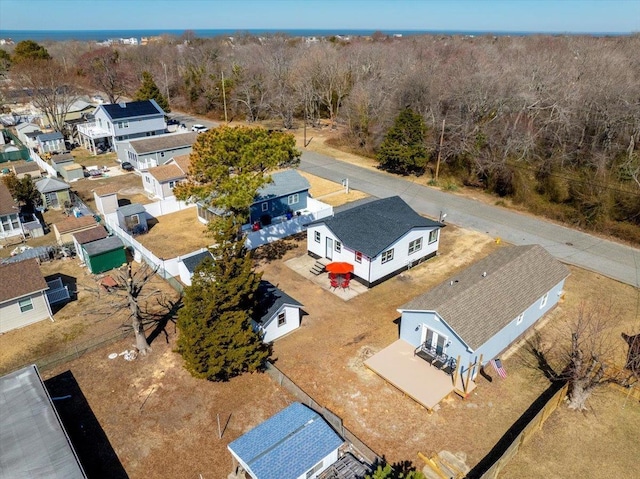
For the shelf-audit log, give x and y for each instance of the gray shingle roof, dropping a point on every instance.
(171, 141)
(105, 245)
(34, 442)
(372, 227)
(132, 209)
(477, 307)
(283, 183)
(192, 262)
(49, 185)
(270, 300)
(132, 109)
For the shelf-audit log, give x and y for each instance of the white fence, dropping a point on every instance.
(42, 164)
(167, 206)
(284, 228)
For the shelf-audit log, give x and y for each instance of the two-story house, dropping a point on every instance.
(145, 153)
(116, 122)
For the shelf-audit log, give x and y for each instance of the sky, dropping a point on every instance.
(544, 16)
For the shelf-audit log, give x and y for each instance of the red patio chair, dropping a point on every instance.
(334, 283)
(345, 281)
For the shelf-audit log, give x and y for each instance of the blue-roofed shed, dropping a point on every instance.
(295, 443)
(132, 218)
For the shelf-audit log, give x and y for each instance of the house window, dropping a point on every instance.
(265, 206)
(293, 199)
(317, 236)
(172, 184)
(15, 224)
(123, 124)
(25, 305)
(338, 246)
(358, 257)
(520, 318)
(387, 256)
(162, 154)
(5, 223)
(315, 469)
(543, 301)
(433, 236)
(282, 319)
(148, 179)
(415, 245)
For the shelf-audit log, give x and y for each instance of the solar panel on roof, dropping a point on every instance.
(118, 111)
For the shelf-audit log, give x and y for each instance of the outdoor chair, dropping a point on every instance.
(334, 283)
(440, 361)
(345, 282)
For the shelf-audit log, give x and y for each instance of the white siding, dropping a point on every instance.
(12, 318)
(106, 204)
(326, 462)
(271, 329)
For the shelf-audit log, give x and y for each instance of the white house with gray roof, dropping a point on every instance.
(484, 309)
(145, 153)
(276, 313)
(380, 239)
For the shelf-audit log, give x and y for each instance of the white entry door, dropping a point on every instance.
(329, 252)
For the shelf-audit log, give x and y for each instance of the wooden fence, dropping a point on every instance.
(525, 435)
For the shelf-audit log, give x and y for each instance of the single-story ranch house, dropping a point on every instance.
(468, 320)
(23, 298)
(380, 239)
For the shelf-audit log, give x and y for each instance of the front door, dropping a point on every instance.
(433, 339)
(329, 253)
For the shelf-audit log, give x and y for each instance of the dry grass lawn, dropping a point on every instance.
(175, 234)
(329, 192)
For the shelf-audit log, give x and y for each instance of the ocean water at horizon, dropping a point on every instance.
(101, 35)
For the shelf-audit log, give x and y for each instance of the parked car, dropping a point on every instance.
(126, 166)
(199, 128)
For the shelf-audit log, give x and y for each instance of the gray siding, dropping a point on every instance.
(12, 318)
(276, 207)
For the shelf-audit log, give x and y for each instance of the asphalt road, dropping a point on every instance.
(570, 246)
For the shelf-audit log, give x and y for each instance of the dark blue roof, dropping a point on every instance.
(192, 262)
(373, 227)
(286, 445)
(270, 300)
(132, 109)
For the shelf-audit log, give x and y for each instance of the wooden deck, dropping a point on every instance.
(413, 375)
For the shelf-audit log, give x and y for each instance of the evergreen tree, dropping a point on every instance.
(29, 50)
(23, 190)
(387, 472)
(150, 91)
(229, 165)
(403, 148)
(217, 340)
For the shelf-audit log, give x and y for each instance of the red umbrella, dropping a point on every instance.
(340, 268)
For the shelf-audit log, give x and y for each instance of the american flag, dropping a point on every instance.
(497, 365)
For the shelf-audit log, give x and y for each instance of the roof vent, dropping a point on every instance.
(484, 275)
(455, 281)
(122, 104)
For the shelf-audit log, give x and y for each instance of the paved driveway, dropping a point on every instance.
(574, 247)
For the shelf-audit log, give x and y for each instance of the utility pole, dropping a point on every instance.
(166, 81)
(439, 151)
(224, 99)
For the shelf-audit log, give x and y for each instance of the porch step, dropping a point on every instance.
(317, 268)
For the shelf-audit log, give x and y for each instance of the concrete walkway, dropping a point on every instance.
(571, 246)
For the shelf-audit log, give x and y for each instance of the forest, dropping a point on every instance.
(550, 123)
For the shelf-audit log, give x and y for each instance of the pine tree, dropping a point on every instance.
(217, 340)
(403, 150)
(150, 91)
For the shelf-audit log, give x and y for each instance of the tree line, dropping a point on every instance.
(552, 122)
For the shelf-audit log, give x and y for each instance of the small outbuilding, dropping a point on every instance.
(23, 168)
(188, 265)
(276, 313)
(87, 236)
(104, 254)
(296, 443)
(55, 193)
(50, 142)
(106, 198)
(65, 229)
(133, 218)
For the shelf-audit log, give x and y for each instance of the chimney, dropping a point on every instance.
(484, 275)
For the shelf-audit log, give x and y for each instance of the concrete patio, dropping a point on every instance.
(302, 265)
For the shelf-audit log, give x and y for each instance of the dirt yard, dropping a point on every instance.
(325, 358)
(329, 192)
(91, 315)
